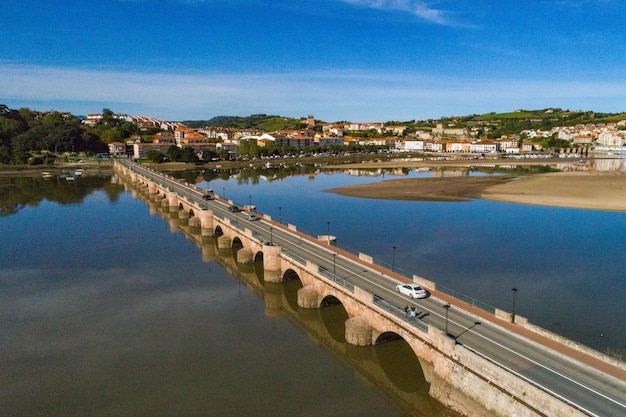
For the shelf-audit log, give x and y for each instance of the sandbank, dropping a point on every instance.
(585, 190)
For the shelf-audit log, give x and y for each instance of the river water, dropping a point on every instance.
(107, 308)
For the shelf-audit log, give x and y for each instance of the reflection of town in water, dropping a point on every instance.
(253, 175)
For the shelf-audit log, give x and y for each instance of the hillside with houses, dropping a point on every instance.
(249, 137)
(27, 136)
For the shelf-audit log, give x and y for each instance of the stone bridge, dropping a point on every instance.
(459, 377)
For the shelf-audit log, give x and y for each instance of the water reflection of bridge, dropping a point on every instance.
(391, 367)
(498, 369)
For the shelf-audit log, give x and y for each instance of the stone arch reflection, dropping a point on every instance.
(291, 284)
(259, 270)
(334, 316)
(399, 363)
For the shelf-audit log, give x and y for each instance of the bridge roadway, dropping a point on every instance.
(575, 380)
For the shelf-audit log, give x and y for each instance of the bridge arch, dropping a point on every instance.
(329, 301)
(258, 257)
(237, 244)
(334, 315)
(386, 337)
(290, 275)
(399, 363)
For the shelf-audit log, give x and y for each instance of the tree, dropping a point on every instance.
(111, 135)
(155, 156)
(189, 155)
(109, 119)
(174, 153)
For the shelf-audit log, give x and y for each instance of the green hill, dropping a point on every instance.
(267, 123)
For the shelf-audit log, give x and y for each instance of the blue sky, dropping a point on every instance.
(359, 60)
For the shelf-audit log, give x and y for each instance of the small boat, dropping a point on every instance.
(46, 174)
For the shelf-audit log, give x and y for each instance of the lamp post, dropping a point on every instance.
(224, 193)
(334, 266)
(447, 307)
(393, 259)
(280, 214)
(328, 224)
(513, 309)
(250, 202)
(271, 236)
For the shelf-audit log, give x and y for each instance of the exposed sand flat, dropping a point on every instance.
(427, 189)
(586, 190)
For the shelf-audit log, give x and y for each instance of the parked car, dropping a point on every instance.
(412, 290)
(207, 197)
(252, 217)
(233, 209)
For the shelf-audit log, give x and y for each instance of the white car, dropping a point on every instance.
(412, 290)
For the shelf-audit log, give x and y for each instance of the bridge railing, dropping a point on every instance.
(291, 254)
(396, 311)
(258, 236)
(333, 277)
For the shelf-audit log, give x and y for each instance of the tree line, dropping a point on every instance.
(33, 137)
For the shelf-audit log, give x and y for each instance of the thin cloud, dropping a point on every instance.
(329, 95)
(414, 7)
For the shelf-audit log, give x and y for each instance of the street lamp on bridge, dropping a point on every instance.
(447, 307)
(393, 259)
(328, 224)
(513, 309)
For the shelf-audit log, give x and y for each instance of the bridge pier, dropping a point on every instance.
(271, 263)
(183, 216)
(173, 202)
(244, 256)
(152, 189)
(194, 222)
(308, 297)
(358, 331)
(207, 225)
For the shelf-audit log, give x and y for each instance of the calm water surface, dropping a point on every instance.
(107, 310)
